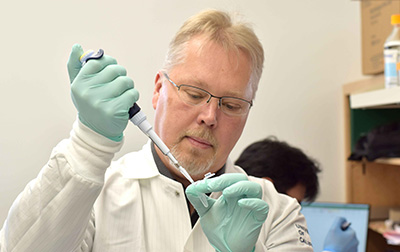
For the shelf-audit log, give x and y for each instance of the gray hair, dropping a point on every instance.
(218, 27)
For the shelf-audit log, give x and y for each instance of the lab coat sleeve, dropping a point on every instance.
(285, 228)
(288, 229)
(54, 211)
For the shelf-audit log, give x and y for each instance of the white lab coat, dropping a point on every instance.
(72, 206)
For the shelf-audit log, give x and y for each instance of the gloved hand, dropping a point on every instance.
(102, 93)
(233, 221)
(338, 240)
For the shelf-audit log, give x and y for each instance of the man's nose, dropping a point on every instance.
(209, 112)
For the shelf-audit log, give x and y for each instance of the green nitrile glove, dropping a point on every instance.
(233, 221)
(102, 93)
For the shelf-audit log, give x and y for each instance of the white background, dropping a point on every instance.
(312, 48)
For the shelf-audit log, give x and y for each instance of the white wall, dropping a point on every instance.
(312, 48)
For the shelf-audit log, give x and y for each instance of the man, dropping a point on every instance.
(295, 174)
(290, 170)
(201, 98)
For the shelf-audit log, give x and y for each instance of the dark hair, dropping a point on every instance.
(285, 165)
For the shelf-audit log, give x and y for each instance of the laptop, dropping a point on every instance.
(320, 216)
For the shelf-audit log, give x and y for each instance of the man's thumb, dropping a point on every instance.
(74, 64)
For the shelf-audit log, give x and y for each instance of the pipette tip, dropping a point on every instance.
(186, 174)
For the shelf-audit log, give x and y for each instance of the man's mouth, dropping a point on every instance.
(199, 142)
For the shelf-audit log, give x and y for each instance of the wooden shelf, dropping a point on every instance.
(385, 161)
(389, 161)
(374, 183)
(382, 98)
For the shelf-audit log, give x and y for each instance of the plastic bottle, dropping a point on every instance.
(391, 53)
(398, 72)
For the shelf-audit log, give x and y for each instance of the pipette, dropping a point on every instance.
(89, 55)
(138, 118)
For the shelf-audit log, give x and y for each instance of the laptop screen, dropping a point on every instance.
(320, 216)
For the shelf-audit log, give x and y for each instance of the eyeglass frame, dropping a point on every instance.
(211, 95)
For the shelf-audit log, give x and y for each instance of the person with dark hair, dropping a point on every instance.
(295, 174)
(290, 170)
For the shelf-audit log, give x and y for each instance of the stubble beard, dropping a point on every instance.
(192, 159)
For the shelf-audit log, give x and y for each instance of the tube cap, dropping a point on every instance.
(395, 19)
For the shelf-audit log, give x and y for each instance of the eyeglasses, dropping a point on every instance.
(232, 106)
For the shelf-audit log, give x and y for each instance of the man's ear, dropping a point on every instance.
(268, 178)
(157, 88)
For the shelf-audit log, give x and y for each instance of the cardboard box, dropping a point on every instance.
(375, 28)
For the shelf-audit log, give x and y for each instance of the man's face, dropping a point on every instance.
(201, 137)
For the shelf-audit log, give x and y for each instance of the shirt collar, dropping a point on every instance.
(164, 171)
